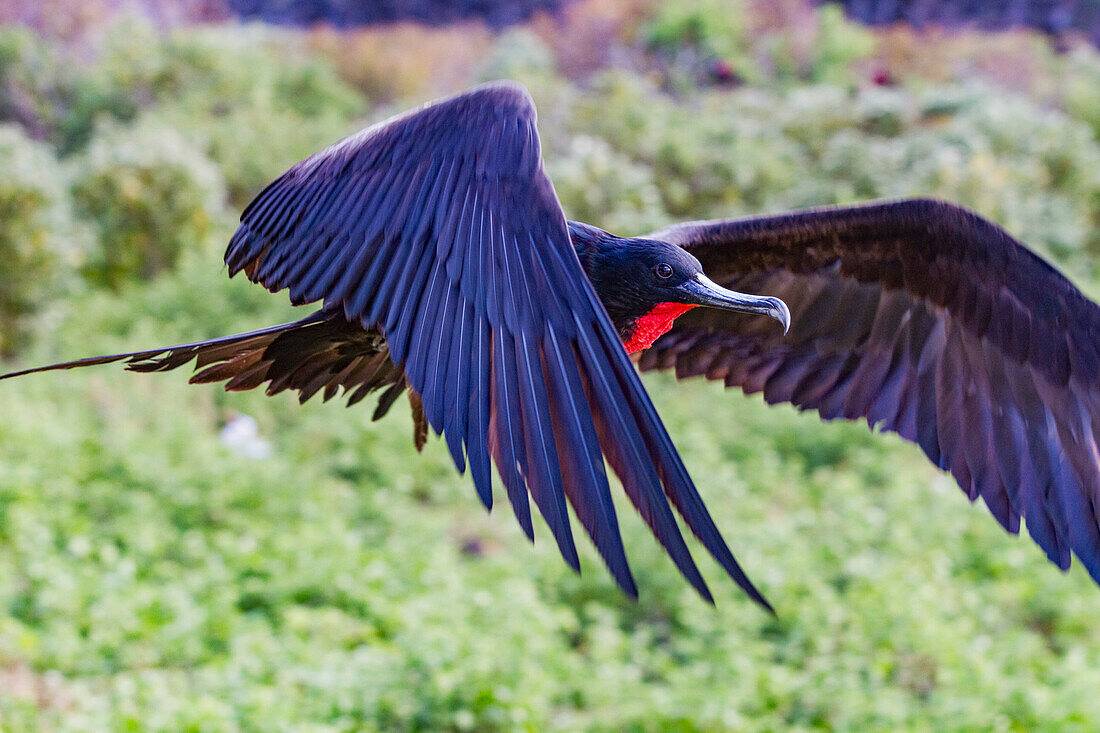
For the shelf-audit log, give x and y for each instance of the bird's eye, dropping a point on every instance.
(663, 271)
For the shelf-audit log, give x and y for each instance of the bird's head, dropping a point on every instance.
(646, 284)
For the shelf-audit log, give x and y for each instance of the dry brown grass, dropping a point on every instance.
(592, 34)
(404, 59)
(74, 20)
(1013, 59)
(411, 60)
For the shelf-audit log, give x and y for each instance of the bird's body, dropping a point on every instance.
(445, 268)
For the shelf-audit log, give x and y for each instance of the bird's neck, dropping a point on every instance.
(637, 325)
(587, 241)
(653, 325)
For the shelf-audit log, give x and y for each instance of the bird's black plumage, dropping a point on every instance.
(445, 267)
(928, 321)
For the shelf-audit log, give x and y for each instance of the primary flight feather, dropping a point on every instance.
(446, 269)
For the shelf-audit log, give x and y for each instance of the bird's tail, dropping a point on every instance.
(237, 349)
(321, 353)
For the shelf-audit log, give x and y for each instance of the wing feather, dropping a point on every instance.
(624, 449)
(926, 320)
(438, 250)
(441, 229)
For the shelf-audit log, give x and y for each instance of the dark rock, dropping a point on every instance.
(1054, 17)
(350, 13)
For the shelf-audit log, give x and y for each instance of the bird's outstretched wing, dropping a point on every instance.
(441, 229)
(928, 321)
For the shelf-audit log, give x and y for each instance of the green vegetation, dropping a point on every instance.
(153, 579)
(151, 195)
(41, 244)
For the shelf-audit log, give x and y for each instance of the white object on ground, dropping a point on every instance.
(242, 435)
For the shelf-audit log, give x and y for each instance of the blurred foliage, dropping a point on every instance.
(838, 44)
(153, 579)
(596, 183)
(33, 81)
(382, 64)
(713, 26)
(1083, 88)
(204, 74)
(150, 193)
(162, 134)
(41, 244)
(156, 580)
(721, 153)
(255, 105)
(717, 41)
(517, 54)
(695, 33)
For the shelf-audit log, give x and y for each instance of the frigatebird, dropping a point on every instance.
(446, 269)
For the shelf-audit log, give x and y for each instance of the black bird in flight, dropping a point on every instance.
(446, 268)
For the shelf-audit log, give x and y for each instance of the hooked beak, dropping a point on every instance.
(701, 290)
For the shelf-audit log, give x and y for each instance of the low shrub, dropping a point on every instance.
(41, 244)
(150, 194)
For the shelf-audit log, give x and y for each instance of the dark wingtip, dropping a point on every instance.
(750, 590)
(89, 361)
(747, 586)
(478, 461)
(525, 523)
(569, 551)
(628, 586)
(763, 603)
(701, 588)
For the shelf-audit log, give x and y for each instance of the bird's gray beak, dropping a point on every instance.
(701, 290)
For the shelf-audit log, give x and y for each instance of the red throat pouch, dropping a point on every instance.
(655, 324)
